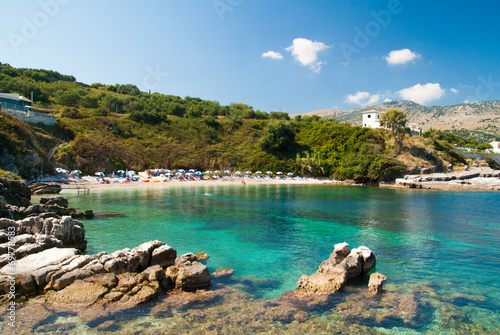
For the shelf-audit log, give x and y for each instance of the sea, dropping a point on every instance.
(440, 251)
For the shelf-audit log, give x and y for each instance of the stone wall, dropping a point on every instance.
(31, 117)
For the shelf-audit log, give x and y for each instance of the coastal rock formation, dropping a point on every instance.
(35, 233)
(50, 222)
(15, 193)
(47, 247)
(476, 178)
(333, 274)
(15, 203)
(125, 276)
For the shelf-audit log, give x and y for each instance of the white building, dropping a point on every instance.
(371, 119)
(415, 129)
(496, 147)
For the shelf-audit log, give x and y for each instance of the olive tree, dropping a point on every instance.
(395, 120)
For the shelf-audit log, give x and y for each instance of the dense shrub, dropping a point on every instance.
(279, 136)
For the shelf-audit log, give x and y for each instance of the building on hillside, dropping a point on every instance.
(496, 146)
(415, 129)
(22, 108)
(371, 119)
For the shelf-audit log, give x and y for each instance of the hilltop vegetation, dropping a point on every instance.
(111, 127)
(479, 121)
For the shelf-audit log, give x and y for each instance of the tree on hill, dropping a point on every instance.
(279, 136)
(395, 120)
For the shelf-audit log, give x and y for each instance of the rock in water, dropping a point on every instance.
(188, 274)
(376, 282)
(342, 265)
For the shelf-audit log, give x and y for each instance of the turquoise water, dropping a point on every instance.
(272, 234)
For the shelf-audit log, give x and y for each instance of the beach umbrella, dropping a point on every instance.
(121, 172)
(248, 172)
(279, 172)
(198, 173)
(289, 174)
(169, 174)
(192, 170)
(60, 170)
(100, 174)
(76, 172)
(216, 171)
(269, 172)
(181, 171)
(238, 172)
(258, 172)
(227, 171)
(208, 172)
(168, 171)
(130, 173)
(64, 171)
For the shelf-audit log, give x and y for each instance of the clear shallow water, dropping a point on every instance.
(272, 234)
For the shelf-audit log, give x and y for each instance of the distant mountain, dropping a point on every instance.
(480, 120)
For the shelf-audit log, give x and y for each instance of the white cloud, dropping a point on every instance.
(272, 54)
(402, 56)
(362, 98)
(422, 93)
(454, 90)
(306, 52)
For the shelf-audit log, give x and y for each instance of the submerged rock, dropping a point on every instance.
(223, 273)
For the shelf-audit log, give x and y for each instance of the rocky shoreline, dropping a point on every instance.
(479, 178)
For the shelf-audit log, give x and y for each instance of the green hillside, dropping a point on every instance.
(111, 127)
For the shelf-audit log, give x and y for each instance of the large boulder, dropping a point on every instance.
(145, 251)
(55, 200)
(24, 268)
(69, 231)
(15, 192)
(188, 274)
(376, 282)
(5, 212)
(163, 256)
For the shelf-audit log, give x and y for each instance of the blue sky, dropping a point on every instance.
(284, 55)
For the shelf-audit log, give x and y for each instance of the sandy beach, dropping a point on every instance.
(93, 184)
